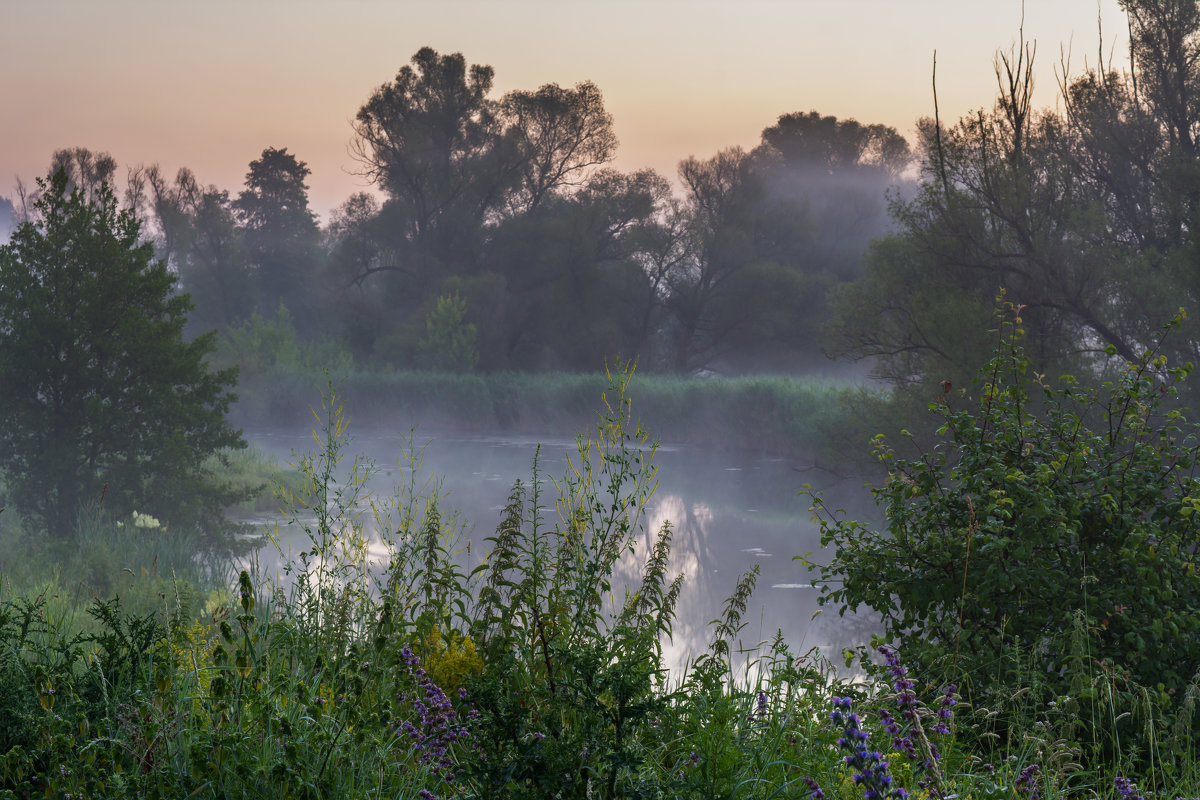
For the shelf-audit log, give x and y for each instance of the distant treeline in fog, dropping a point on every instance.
(500, 239)
(504, 241)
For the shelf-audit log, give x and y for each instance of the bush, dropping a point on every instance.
(1043, 512)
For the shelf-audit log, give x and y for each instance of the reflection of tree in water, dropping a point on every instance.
(722, 522)
(710, 549)
(690, 557)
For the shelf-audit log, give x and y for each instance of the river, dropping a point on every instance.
(729, 511)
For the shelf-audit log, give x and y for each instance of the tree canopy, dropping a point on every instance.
(1084, 214)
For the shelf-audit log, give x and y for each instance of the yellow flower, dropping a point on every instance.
(450, 660)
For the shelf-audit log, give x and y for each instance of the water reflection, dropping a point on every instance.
(727, 512)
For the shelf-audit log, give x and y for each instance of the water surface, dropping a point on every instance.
(729, 511)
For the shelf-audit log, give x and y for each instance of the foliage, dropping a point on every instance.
(813, 419)
(103, 401)
(571, 669)
(258, 345)
(391, 671)
(1045, 513)
(1083, 213)
(257, 476)
(281, 235)
(449, 341)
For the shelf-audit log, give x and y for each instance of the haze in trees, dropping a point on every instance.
(770, 233)
(507, 204)
(1085, 215)
(8, 218)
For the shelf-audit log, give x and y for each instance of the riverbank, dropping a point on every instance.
(811, 419)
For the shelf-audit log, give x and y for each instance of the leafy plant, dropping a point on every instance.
(449, 341)
(1044, 511)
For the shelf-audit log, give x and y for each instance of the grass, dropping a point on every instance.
(808, 417)
(390, 672)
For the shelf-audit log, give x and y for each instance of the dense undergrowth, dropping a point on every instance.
(391, 671)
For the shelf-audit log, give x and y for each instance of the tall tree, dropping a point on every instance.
(838, 146)
(281, 232)
(430, 140)
(101, 398)
(90, 172)
(575, 291)
(1084, 216)
(770, 233)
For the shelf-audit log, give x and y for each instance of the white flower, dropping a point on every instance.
(145, 521)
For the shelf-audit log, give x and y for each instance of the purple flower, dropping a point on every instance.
(872, 772)
(907, 700)
(817, 794)
(946, 712)
(900, 742)
(1126, 789)
(1027, 782)
(437, 725)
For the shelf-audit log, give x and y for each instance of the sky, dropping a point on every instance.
(208, 85)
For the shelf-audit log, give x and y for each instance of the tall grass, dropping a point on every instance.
(391, 669)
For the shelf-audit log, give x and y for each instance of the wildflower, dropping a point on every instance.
(1126, 789)
(900, 741)
(946, 713)
(903, 686)
(872, 772)
(1027, 782)
(762, 705)
(817, 794)
(437, 726)
(145, 521)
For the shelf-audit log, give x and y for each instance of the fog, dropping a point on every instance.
(728, 512)
(8, 219)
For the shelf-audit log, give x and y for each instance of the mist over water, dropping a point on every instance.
(728, 512)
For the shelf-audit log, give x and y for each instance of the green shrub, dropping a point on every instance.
(1045, 513)
(449, 341)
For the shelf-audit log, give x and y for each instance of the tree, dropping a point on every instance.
(430, 140)
(454, 162)
(770, 233)
(575, 288)
(281, 233)
(101, 398)
(559, 134)
(838, 146)
(1086, 216)
(449, 341)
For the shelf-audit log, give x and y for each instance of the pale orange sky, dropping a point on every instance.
(209, 84)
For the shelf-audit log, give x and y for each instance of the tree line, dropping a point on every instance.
(1085, 216)
(504, 239)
